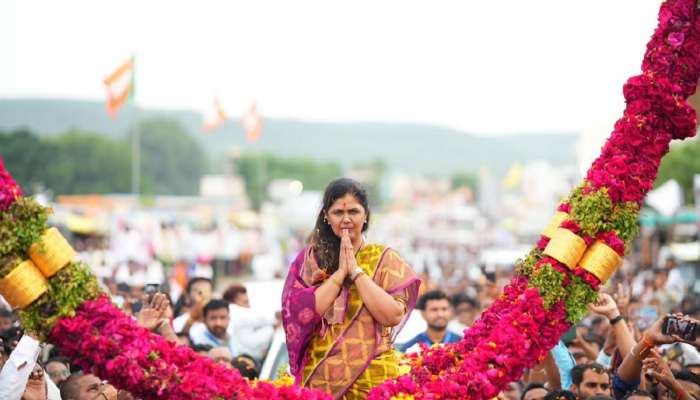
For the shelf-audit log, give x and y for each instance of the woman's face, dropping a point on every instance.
(347, 213)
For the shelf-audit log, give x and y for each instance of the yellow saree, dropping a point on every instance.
(355, 353)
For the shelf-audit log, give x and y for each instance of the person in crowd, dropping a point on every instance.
(221, 355)
(466, 310)
(511, 392)
(198, 294)
(589, 380)
(251, 331)
(639, 395)
(560, 395)
(7, 319)
(216, 321)
(435, 309)
(246, 365)
(58, 369)
(342, 288)
(644, 360)
(22, 376)
(237, 294)
(667, 383)
(81, 386)
(534, 391)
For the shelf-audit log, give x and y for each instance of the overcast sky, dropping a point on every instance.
(485, 66)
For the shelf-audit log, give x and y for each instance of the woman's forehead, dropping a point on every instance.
(347, 201)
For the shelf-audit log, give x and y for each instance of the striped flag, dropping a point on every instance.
(252, 124)
(214, 118)
(120, 87)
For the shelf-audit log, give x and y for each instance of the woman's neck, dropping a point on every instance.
(357, 244)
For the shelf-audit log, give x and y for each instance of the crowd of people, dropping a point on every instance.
(618, 351)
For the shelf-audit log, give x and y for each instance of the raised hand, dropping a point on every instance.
(655, 366)
(347, 252)
(654, 333)
(622, 298)
(605, 306)
(151, 314)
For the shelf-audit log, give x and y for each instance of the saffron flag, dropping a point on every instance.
(252, 124)
(214, 118)
(120, 87)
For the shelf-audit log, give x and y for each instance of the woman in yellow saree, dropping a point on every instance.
(345, 300)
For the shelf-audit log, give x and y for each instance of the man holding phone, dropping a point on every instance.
(643, 358)
(199, 293)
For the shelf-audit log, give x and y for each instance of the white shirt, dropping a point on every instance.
(197, 328)
(16, 371)
(250, 330)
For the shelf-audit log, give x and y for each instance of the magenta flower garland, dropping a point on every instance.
(589, 236)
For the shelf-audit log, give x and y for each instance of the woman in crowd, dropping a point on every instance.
(345, 300)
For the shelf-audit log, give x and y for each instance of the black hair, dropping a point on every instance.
(531, 386)
(195, 280)
(10, 335)
(431, 295)
(325, 243)
(201, 348)
(594, 338)
(216, 304)
(123, 287)
(244, 367)
(460, 298)
(560, 395)
(233, 291)
(578, 371)
(638, 393)
(5, 313)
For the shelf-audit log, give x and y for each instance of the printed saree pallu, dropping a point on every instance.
(345, 352)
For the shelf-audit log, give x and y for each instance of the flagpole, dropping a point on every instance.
(135, 137)
(136, 156)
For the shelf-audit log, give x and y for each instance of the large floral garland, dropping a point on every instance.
(580, 249)
(61, 302)
(584, 243)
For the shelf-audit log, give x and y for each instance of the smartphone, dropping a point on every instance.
(151, 289)
(569, 335)
(687, 330)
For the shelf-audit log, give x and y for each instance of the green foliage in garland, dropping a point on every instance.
(579, 295)
(595, 213)
(624, 219)
(526, 266)
(576, 294)
(68, 289)
(548, 282)
(20, 226)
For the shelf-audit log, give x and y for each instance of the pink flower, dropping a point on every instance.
(9, 190)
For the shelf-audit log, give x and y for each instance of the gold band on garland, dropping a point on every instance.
(566, 247)
(554, 223)
(23, 285)
(601, 260)
(52, 252)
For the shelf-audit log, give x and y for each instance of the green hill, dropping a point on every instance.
(412, 148)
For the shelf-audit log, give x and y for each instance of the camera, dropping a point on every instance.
(151, 289)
